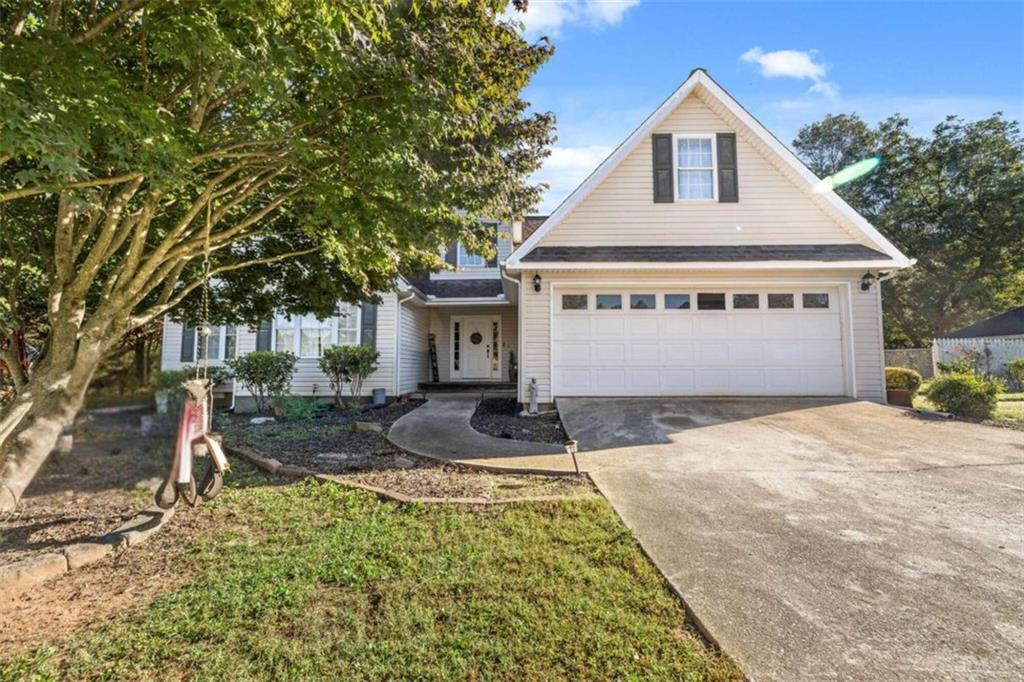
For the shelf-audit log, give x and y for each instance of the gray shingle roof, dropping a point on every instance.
(689, 254)
(1009, 323)
(457, 288)
(531, 223)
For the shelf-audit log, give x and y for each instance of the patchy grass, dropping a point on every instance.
(312, 581)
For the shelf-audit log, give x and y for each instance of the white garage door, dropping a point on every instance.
(708, 341)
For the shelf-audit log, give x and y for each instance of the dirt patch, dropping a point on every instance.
(499, 417)
(108, 477)
(87, 597)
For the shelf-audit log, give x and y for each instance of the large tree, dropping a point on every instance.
(953, 200)
(313, 149)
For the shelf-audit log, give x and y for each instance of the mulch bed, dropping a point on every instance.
(499, 417)
(329, 445)
(108, 477)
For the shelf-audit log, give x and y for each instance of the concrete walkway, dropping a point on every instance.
(441, 429)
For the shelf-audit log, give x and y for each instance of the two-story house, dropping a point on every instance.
(701, 258)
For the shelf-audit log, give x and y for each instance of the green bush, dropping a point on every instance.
(348, 365)
(1015, 373)
(169, 380)
(295, 408)
(964, 394)
(902, 378)
(265, 374)
(958, 366)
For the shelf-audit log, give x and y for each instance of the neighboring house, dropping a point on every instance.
(698, 259)
(994, 341)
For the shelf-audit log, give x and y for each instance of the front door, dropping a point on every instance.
(476, 343)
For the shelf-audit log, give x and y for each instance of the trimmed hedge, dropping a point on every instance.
(1015, 370)
(902, 378)
(964, 394)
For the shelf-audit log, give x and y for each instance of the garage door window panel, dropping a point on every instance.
(780, 301)
(677, 301)
(710, 301)
(813, 301)
(574, 301)
(608, 301)
(746, 301)
(642, 302)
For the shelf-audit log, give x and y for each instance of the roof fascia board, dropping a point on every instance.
(709, 265)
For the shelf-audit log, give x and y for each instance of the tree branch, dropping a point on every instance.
(81, 184)
(104, 23)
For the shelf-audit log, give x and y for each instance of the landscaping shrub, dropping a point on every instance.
(348, 365)
(1015, 374)
(265, 374)
(964, 394)
(295, 408)
(902, 378)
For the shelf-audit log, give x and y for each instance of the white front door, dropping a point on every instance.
(476, 343)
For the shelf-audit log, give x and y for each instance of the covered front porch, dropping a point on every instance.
(472, 344)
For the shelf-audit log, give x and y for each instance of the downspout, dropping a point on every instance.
(398, 342)
(519, 330)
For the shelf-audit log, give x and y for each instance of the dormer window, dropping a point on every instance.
(695, 167)
(469, 260)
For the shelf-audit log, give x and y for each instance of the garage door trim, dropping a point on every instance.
(844, 298)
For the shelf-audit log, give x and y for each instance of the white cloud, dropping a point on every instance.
(548, 17)
(566, 168)
(793, 64)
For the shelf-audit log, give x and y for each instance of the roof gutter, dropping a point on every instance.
(710, 265)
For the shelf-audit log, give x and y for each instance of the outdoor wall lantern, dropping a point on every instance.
(866, 280)
(536, 282)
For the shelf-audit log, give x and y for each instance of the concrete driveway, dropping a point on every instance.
(824, 539)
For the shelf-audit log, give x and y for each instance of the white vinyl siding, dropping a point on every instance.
(863, 307)
(309, 380)
(414, 348)
(772, 207)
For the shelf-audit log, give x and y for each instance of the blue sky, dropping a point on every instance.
(789, 63)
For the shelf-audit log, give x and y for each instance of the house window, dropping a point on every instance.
(348, 324)
(608, 302)
(641, 301)
(746, 301)
(307, 336)
(314, 336)
(695, 168)
(776, 301)
(470, 260)
(677, 301)
(710, 301)
(815, 300)
(574, 301)
(220, 346)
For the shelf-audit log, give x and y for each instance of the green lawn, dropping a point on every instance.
(312, 581)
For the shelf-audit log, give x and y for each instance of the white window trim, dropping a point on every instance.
(675, 165)
(222, 338)
(297, 328)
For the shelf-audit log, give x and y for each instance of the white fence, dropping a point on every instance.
(992, 353)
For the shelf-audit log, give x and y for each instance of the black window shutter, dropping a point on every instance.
(263, 335)
(368, 324)
(451, 257)
(728, 185)
(493, 262)
(188, 343)
(662, 157)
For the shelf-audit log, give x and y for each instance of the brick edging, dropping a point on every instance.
(273, 466)
(18, 576)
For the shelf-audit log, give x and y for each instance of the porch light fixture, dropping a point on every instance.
(866, 280)
(536, 282)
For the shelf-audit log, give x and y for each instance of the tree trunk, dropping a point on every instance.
(140, 359)
(31, 426)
